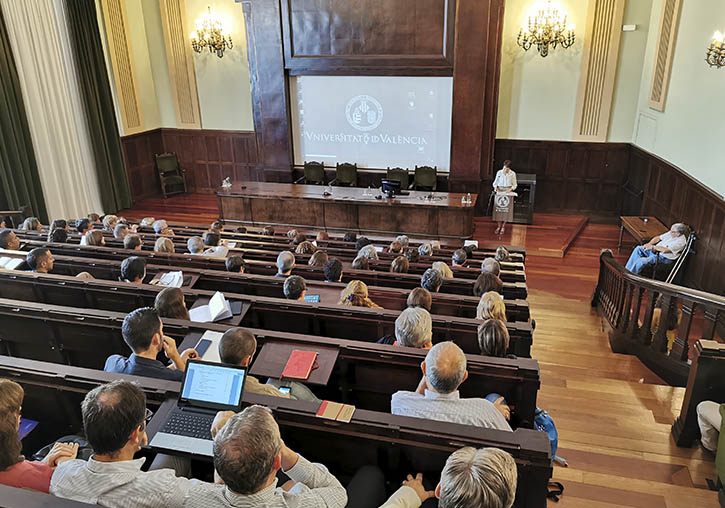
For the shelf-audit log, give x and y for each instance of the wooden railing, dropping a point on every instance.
(643, 312)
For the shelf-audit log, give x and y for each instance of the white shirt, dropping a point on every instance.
(404, 497)
(676, 245)
(505, 179)
(315, 488)
(119, 484)
(448, 408)
(220, 251)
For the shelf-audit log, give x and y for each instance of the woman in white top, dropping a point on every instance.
(505, 181)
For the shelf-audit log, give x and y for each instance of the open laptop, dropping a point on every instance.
(206, 389)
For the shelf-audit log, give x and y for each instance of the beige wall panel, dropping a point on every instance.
(665, 50)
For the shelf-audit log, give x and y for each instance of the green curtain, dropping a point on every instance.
(19, 175)
(98, 102)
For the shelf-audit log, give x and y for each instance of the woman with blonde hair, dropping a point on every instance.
(355, 294)
(443, 268)
(15, 471)
(491, 306)
(95, 238)
(305, 247)
(164, 244)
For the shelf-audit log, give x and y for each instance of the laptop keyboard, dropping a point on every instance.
(189, 425)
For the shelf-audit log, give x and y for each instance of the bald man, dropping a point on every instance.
(437, 396)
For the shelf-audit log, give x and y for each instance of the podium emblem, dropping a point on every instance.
(503, 202)
(364, 113)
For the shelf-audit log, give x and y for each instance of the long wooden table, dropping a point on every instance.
(435, 214)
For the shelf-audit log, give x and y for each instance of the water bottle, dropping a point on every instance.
(468, 198)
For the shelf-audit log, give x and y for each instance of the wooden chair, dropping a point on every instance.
(400, 175)
(170, 172)
(346, 174)
(314, 173)
(426, 178)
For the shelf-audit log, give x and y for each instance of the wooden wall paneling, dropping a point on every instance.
(599, 69)
(404, 37)
(180, 60)
(138, 152)
(665, 51)
(116, 22)
(269, 88)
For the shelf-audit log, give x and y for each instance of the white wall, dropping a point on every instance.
(691, 130)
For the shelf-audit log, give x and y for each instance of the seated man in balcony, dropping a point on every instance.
(664, 248)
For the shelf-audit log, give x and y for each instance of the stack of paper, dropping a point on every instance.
(10, 263)
(217, 309)
(172, 279)
(472, 243)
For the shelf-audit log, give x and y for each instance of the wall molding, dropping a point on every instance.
(662, 68)
(116, 21)
(599, 70)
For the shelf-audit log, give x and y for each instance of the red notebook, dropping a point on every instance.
(300, 364)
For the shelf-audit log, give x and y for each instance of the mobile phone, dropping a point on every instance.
(285, 390)
(202, 346)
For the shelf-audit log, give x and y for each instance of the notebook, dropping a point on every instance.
(172, 279)
(300, 364)
(217, 309)
(206, 389)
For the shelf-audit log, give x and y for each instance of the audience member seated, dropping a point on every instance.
(133, 270)
(298, 239)
(292, 233)
(95, 238)
(412, 255)
(143, 332)
(240, 229)
(400, 265)
(161, 227)
(443, 268)
(502, 254)
(333, 270)
(437, 396)
(40, 260)
(360, 263)
(395, 247)
(487, 282)
(484, 478)
(425, 249)
(58, 235)
(114, 421)
(350, 238)
(170, 303)
(369, 252)
(490, 265)
(468, 249)
(133, 242)
(94, 217)
(15, 471)
(147, 222)
(362, 242)
(319, 258)
(709, 421)
(120, 231)
(355, 294)
(248, 453)
(84, 275)
(322, 236)
(164, 244)
(294, 288)
(217, 226)
(493, 338)
(59, 224)
(432, 280)
(305, 247)
(663, 249)
(9, 240)
(83, 226)
(235, 264)
(491, 306)
(285, 263)
(403, 239)
(31, 224)
(215, 246)
(195, 246)
(420, 297)
(268, 231)
(109, 222)
(459, 257)
(414, 328)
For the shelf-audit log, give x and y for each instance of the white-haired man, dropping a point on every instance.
(664, 249)
(414, 328)
(437, 396)
(285, 264)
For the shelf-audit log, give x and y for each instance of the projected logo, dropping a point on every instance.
(503, 203)
(364, 113)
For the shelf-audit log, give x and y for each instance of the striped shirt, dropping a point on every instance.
(119, 484)
(315, 488)
(448, 407)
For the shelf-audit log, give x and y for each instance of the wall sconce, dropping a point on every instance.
(715, 56)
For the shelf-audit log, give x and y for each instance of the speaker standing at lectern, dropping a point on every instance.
(503, 203)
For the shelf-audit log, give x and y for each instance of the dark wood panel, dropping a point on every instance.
(339, 36)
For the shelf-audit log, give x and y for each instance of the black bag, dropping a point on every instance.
(84, 449)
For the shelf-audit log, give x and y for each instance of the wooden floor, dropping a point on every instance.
(613, 415)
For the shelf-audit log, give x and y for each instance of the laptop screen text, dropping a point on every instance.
(213, 385)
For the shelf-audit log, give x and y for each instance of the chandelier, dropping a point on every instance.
(546, 27)
(211, 33)
(716, 52)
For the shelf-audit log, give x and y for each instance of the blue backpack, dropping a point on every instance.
(545, 423)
